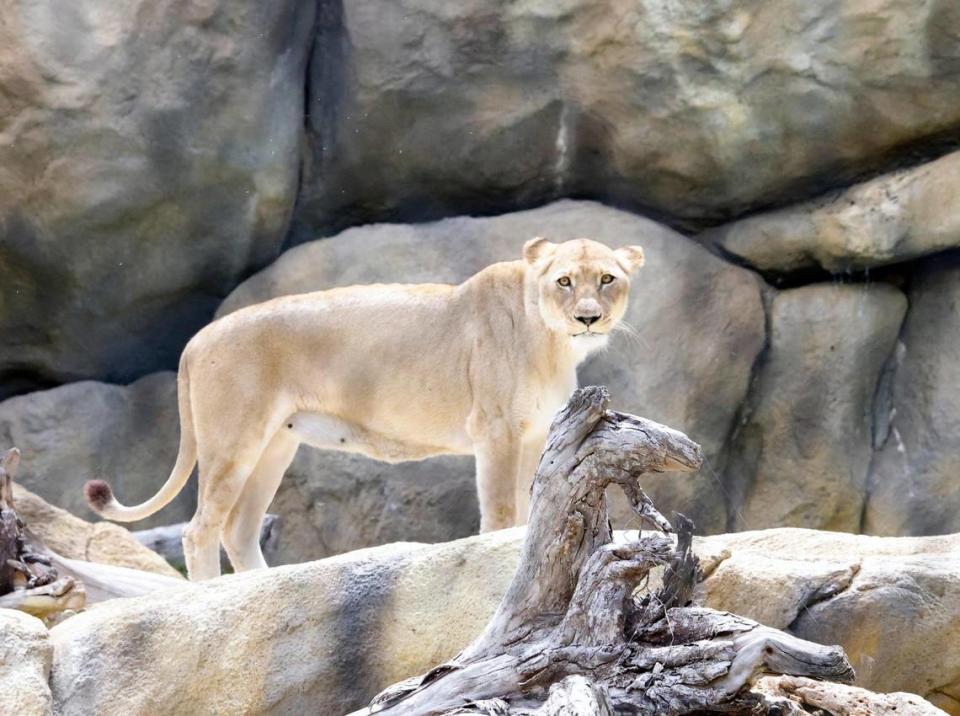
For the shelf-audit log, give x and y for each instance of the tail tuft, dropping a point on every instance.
(98, 494)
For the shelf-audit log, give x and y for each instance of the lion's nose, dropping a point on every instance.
(588, 320)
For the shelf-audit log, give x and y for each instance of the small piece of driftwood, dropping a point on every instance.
(167, 541)
(572, 636)
(29, 581)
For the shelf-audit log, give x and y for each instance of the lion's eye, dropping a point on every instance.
(563, 281)
(606, 278)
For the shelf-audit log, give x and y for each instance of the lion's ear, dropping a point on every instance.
(630, 257)
(536, 249)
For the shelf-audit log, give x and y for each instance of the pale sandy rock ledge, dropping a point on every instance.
(325, 636)
(73, 538)
(890, 219)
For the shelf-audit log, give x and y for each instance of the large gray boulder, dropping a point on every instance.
(802, 455)
(127, 435)
(694, 110)
(149, 159)
(893, 218)
(915, 482)
(324, 637)
(699, 321)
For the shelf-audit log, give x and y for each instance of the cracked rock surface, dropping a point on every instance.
(892, 603)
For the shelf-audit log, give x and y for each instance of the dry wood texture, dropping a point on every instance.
(571, 636)
(28, 579)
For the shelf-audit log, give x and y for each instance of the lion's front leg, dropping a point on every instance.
(498, 452)
(531, 450)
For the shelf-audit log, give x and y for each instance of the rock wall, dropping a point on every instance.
(148, 160)
(695, 111)
(153, 157)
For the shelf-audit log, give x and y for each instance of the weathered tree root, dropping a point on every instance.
(571, 636)
(28, 579)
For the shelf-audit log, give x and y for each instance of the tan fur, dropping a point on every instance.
(395, 372)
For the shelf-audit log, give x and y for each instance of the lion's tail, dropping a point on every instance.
(100, 496)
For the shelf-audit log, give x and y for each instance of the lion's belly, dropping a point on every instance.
(329, 432)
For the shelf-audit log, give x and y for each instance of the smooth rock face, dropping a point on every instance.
(694, 110)
(325, 637)
(698, 321)
(71, 537)
(25, 656)
(315, 638)
(127, 435)
(892, 603)
(149, 158)
(331, 502)
(915, 484)
(893, 218)
(802, 456)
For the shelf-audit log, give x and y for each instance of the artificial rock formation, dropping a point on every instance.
(890, 219)
(337, 630)
(694, 110)
(73, 538)
(334, 502)
(890, 602)
(25, 657)
(153, 157)
(149, 158)
(913, 485)
(802, 455)
(353, 624)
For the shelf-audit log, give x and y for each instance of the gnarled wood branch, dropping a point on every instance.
(571, 635)
(28, 579)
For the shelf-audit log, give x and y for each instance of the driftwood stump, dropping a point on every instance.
(28, 579)
(571, 635)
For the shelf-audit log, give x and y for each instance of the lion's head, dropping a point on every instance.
(582, 285)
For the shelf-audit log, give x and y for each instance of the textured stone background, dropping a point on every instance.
(788, 164)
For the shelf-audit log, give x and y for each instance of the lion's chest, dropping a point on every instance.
(543, 399)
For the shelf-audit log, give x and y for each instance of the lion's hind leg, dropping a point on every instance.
(222, 477)
(241, 532)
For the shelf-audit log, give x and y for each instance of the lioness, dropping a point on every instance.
(395, 372)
